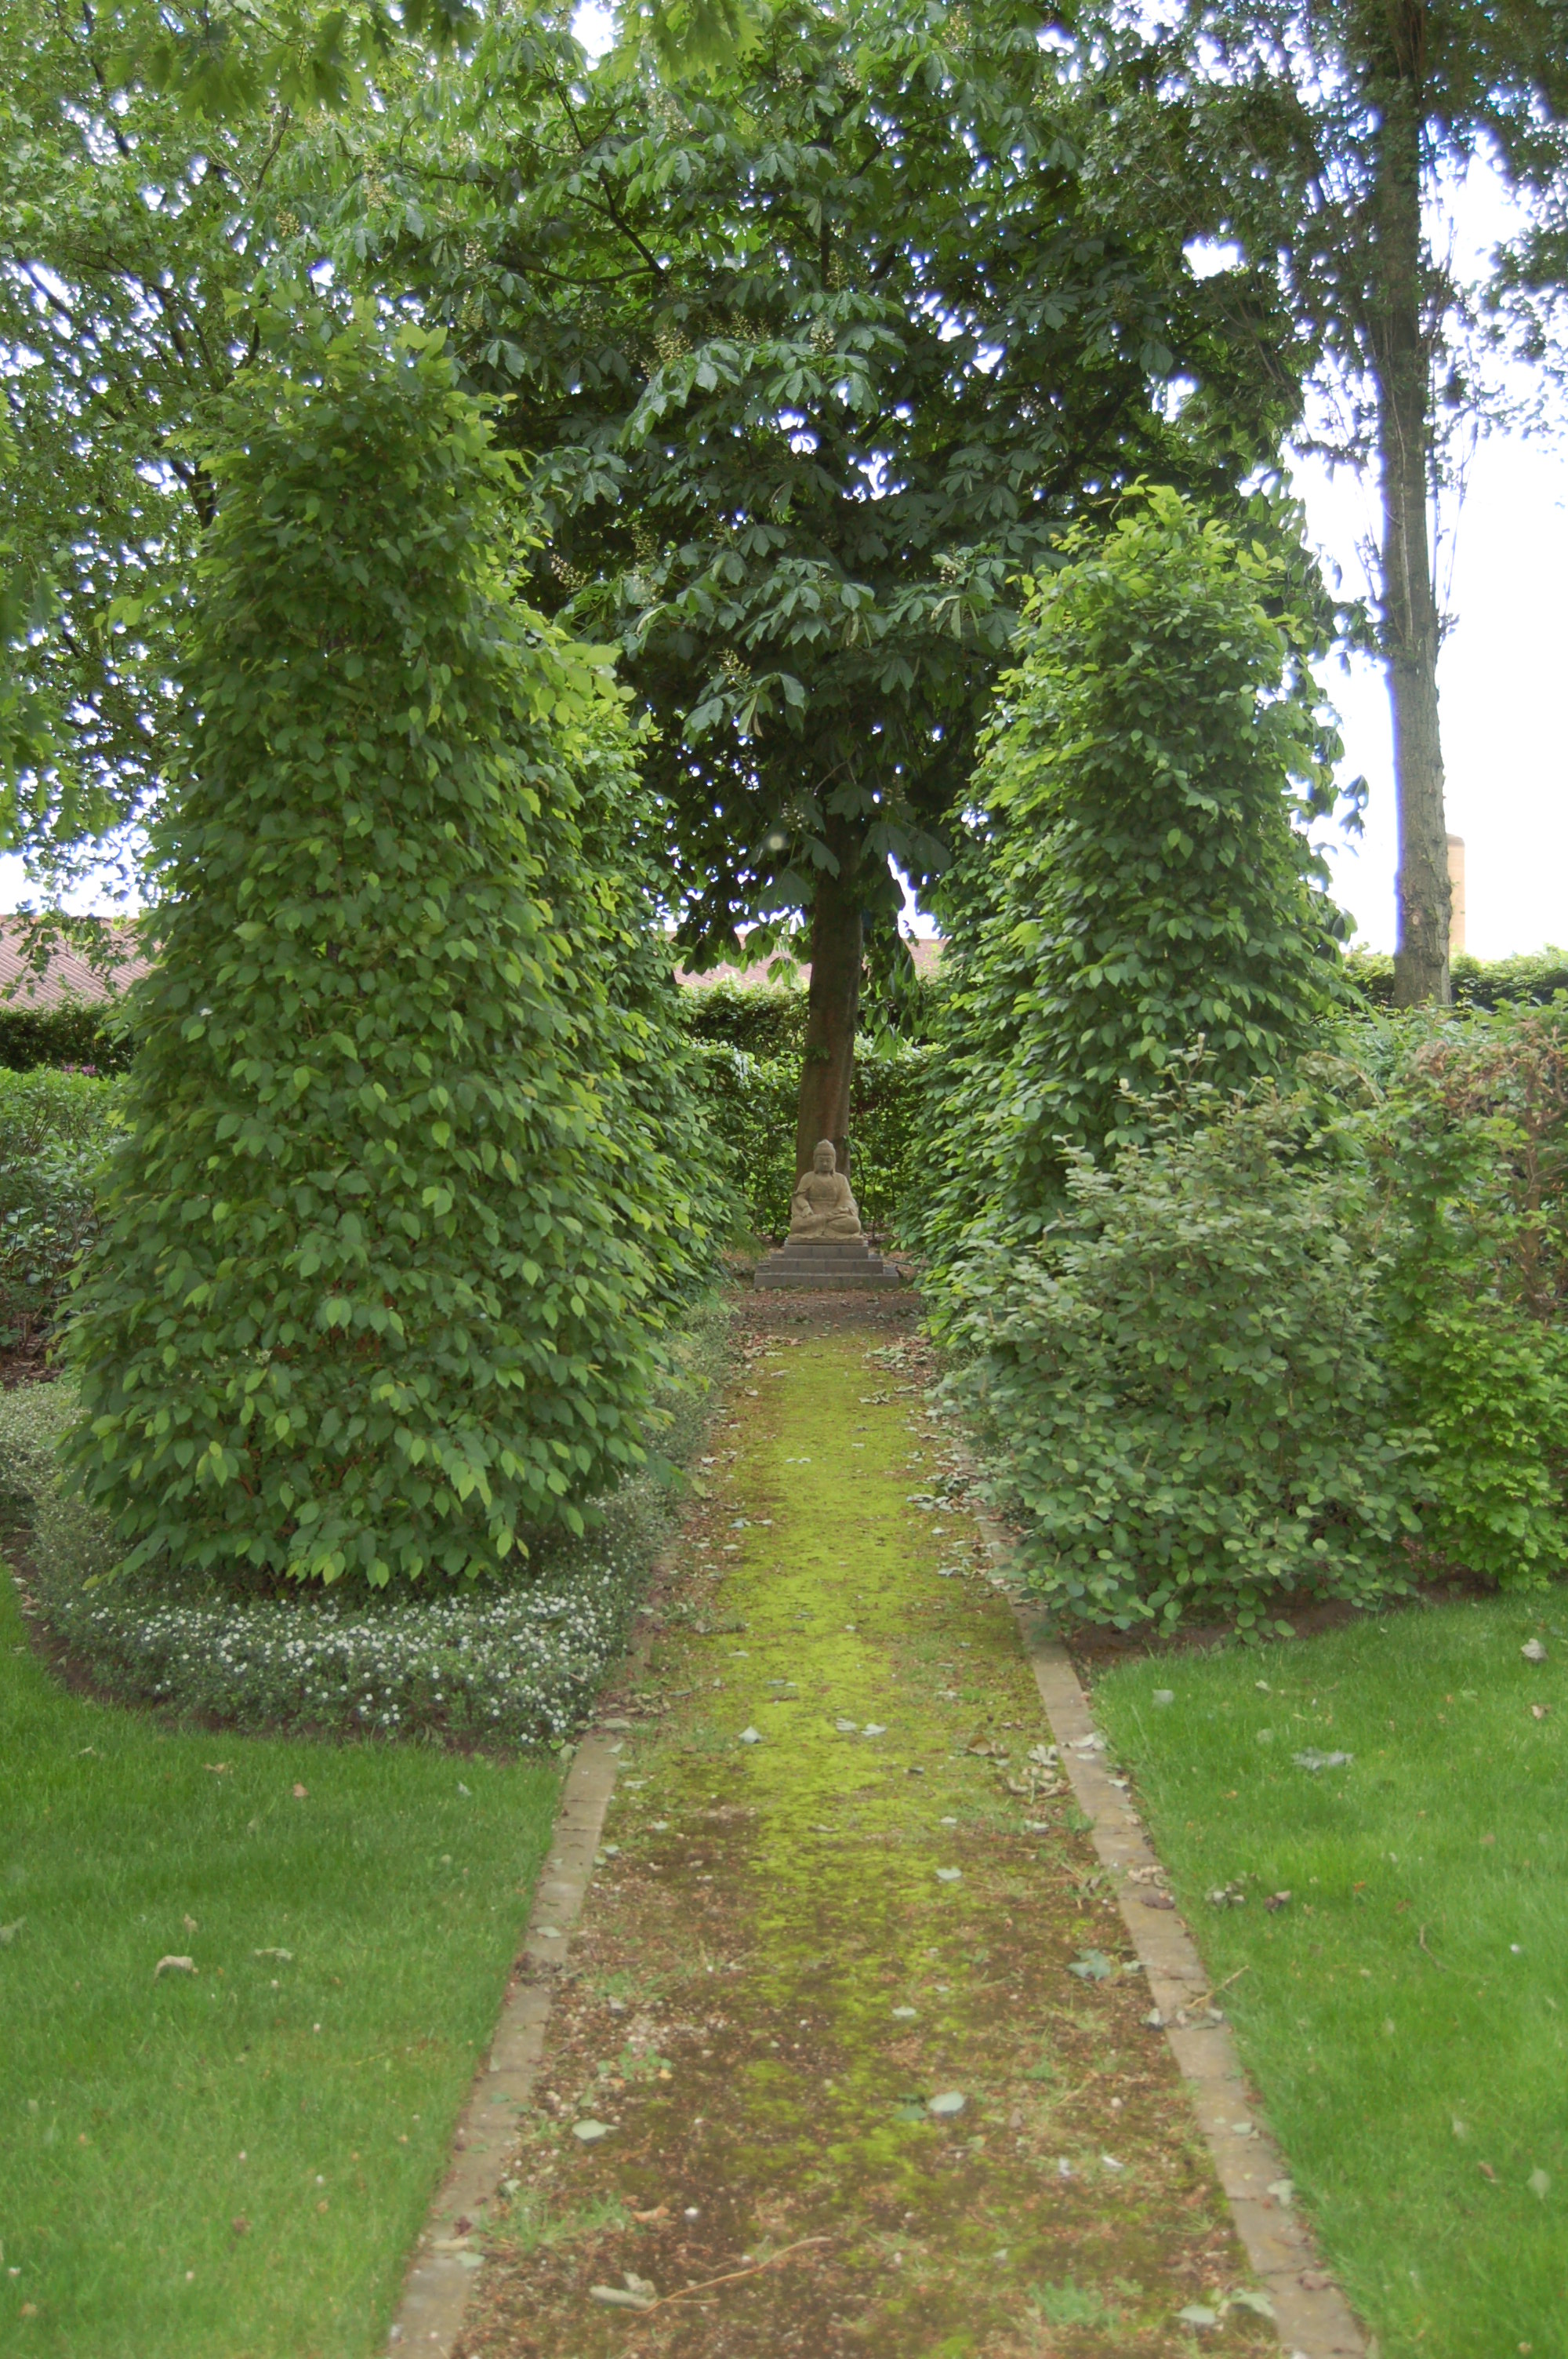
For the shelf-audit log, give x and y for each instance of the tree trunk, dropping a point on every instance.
(832, 1009)
(1401, 362)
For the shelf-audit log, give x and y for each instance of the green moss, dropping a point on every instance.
(809, 2104)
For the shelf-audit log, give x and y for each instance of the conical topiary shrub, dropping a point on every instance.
(371, 1296)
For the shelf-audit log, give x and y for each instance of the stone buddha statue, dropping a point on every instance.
(821, 1205)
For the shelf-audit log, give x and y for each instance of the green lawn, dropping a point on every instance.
(1405, 2014)
(234, 2163)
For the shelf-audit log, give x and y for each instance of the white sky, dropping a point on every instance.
(1502, 680)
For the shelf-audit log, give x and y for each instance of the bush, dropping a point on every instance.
(1182, 1390)
(1469, 1133)
(388, 1242)
(73, 1034)
(1137, 876)
(1531, 979)
(514, 1663)
(55, 1130)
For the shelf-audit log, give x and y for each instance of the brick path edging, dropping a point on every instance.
(441, 2281)
(1314, 2318)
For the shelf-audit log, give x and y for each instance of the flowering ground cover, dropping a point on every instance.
(1369, 1831)
(228, 2155)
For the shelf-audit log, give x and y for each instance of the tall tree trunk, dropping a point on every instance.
(1409, 619)
(837, 946)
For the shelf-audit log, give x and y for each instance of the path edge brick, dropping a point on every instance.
(446, 2262)
(1314, 2320)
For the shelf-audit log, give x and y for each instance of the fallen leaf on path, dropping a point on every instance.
(1156, 1900)
(1258, 2303)
(174, 1966)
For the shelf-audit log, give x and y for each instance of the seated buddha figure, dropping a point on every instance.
(821, 1205)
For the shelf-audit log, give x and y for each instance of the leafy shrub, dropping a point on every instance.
(1531, 979)
(1468, 1133)
(1180, 1388)
(74, 1033)
(516, 1662)
(387, 1245)
(55, 1130)
(1136, 875)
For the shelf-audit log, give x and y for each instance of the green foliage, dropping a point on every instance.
(750, 1102)
(1315, 1342)
(1182, 1386)
(1531, 978)
(75, 1034)
(1469, 1137)
(507, 1663)
(1137, 877)
(55, 1131)
(718, 308)
(384, 1251)
(763, 1024)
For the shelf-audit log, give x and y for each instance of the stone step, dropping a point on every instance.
(824, 1279)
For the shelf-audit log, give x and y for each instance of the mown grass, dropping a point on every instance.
(1405, 2012)
(232, 2164)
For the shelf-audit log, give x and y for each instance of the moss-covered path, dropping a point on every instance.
(850, 2056)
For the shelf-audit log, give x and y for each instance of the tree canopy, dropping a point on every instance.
(811, 359)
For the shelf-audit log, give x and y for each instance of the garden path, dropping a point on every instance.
(851, 2054)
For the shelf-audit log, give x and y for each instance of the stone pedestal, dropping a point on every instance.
(824, 1262)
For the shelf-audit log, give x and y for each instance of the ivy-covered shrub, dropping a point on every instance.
(1182, 1390)
(55, 1131)
(1136, 875)
(385, 1245)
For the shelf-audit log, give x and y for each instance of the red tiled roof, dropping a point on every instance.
(67, 976)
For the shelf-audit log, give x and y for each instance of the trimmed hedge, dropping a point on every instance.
(1527, 980)
(77, 1035)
